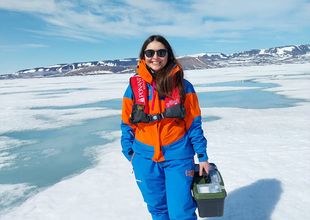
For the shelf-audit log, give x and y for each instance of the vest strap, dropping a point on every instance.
(156, 117)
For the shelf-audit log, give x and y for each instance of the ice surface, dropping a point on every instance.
(263, 153)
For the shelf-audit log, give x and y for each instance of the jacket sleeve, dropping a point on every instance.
(127, 129)
(193, 123)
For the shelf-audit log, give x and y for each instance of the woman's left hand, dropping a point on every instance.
(203, 166)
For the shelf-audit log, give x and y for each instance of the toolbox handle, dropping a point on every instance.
(205, 175)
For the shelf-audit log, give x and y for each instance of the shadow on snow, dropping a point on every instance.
(255, 201)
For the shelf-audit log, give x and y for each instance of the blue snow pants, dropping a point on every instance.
(165, 187)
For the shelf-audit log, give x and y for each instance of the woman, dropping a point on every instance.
(161, 132)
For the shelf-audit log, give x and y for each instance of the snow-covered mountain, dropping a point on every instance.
(275, 55)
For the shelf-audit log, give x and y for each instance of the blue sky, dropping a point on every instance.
(36, 33)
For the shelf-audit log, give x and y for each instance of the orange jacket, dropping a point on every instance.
(169, 138)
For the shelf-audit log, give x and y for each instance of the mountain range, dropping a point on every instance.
(275, 55)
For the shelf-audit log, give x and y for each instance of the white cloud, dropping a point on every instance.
(30, 45)
(38, 6)
(93, 19)
(19, 46)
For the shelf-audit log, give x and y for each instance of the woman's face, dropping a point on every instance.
(158, 60)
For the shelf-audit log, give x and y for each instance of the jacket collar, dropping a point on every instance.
(143, 71)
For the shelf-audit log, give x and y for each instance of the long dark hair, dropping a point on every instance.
(165, 83)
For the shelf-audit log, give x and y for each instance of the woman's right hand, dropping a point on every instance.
(203, 166)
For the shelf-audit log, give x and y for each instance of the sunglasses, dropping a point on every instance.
(150, 53)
